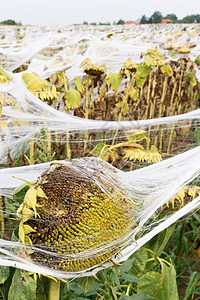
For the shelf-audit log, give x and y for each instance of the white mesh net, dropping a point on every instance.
(98, 189)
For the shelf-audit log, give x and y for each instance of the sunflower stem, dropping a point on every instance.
(1, 217)
(31, 143)
(54, 290)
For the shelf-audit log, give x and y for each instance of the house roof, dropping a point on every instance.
(164, 21)
(132, 22)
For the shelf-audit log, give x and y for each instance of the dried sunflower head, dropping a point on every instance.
(83, 217)
(94, 70)
(183, 50)
(128, 67)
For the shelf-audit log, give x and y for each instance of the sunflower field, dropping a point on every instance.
(100, 162)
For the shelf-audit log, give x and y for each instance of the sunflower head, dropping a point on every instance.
(94, 70)
(82, 219)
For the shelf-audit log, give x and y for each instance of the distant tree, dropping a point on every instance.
(120, 22)
(85, 23)
(189, 19)
(156, 17)
(93, 23)
(9, 22)
(172, 17)
(144, 20)
(198, 18)
(102, 23)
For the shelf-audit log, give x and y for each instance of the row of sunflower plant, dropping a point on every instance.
(151, 89)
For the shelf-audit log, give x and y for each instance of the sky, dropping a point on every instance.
(66, 12)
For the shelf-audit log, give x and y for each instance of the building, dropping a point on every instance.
(165, 21)
(131, 22)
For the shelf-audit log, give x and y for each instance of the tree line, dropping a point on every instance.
(10, 22)
(156, 17)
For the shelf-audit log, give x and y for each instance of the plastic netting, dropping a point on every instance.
(98, 189)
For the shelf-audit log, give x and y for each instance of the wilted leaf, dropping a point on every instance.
(73, 99)
(53, 78)
(191, 77)
(134, 94)
(143, 70)
(136, 135)
(197, 60)
(140, 81)
(79, 84)
(148, 60)
(97, 149)
(34, 82)
(114, 80)
(167, 69)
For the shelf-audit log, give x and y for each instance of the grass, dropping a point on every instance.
(181, 250)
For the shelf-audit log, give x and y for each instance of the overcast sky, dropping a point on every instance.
(61, 12)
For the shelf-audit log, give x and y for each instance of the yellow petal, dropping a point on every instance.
(40, 193)
(30, 199)
(28, 229)
(22, 234)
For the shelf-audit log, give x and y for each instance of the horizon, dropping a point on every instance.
(41, 12)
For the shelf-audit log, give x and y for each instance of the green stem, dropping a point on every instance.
(128, 289)
(54, 290)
